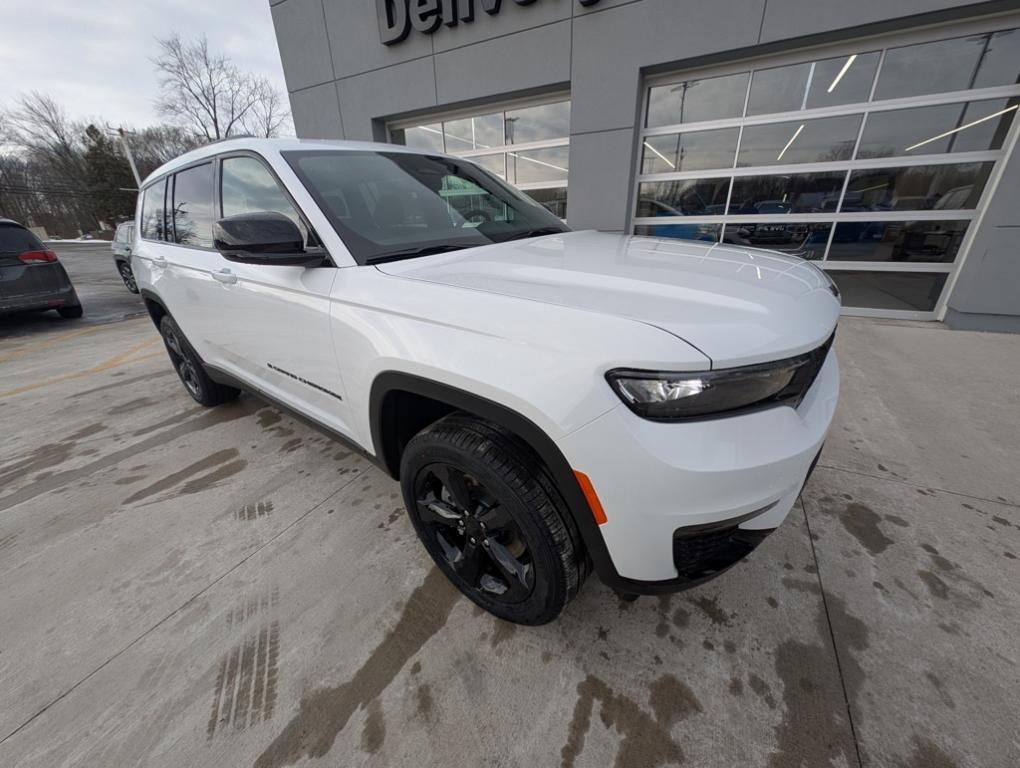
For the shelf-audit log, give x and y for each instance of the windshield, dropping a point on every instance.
(389, 205)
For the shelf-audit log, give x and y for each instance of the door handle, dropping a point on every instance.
(224, 276)
(159, 261)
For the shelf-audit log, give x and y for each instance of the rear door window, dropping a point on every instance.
(152, 211)
(193, 210)
(15, 239)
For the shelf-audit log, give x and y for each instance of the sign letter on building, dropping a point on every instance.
(398, 17)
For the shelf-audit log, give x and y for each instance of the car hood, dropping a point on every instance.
(736, 305)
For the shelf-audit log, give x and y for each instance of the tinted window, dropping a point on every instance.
(193, 206)
(706, 233)
(693, 151)
(916, 188)
(924, 241)
(978, 61)
(553, 200)
(16, 239)
(548, 121)
(384, 204)
(152, 211)
(973, 127)
(536, 165)
(918, 291)
(807, 241)
(690, 197)
(692, 101)
(249, 187)
(807, 141)
(843, 80)
(788, 193)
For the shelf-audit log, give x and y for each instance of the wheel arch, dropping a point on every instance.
(389, 437)
(153, 305)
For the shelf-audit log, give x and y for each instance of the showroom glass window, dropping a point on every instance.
(528, 145)
(873, 160)
(193, 213)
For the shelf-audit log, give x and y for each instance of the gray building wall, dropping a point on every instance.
(344, 83)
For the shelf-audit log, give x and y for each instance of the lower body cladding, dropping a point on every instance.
(683, 501)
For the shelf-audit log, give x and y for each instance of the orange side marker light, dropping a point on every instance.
(593, 500)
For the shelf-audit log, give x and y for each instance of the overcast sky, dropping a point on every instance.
(93, 56)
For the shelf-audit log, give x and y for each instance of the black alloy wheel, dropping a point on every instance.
(492, 519)
(190, 369)
(128, 277)
(476, 534)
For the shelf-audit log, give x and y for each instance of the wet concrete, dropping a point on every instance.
(227, 587)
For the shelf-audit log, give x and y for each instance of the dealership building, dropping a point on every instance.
(876, 137)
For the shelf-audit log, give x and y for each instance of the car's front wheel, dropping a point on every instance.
(190, 369)
(490, 516)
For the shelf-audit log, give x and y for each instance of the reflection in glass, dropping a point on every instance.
(925, 241)
(961, 127)
(977, 61)
(554, 200)
(808, 141)
(917, 291)
(693, 151)
(479, 132)
(548, 121)
(152, 211)
(917, 188)
(842, 80)
(689, 197)
(692, 101)
(703, 232)
(247, 186)
(535, 165)
(787, 193)
(493, 163)
(796, 239)
(421, 137)
(193, 206)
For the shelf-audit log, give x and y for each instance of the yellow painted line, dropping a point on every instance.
(106, 365)
(50, 341)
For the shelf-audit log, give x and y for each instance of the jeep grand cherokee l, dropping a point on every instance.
(552, 402)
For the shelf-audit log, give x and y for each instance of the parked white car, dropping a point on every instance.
(551, 401)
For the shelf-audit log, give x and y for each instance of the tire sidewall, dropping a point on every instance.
(550, 591)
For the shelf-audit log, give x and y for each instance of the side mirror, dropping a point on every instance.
(268, 238)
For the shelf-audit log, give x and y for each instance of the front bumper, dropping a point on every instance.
(683, 501)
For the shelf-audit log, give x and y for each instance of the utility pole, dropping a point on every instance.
(130, 157)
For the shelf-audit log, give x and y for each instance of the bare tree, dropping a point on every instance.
(209, 94)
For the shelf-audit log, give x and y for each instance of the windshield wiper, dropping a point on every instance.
(412, 253)
(536, 233)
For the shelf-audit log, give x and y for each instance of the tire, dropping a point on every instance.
(190, 369)
(127, 276)
(516, 554)
(71, 312)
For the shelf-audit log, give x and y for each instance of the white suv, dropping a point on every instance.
(551, 401)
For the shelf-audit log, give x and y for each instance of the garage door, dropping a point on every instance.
(874, 159)
(526, 143)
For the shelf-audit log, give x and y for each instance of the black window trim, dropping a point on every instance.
(170, 178)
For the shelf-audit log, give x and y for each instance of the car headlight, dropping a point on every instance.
(663, 396)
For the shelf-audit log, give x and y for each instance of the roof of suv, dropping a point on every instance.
(276, 145)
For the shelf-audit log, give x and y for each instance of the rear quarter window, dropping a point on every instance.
(16, 239)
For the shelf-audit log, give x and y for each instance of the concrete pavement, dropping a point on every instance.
(184, 586)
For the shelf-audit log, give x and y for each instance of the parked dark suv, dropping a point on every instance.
(31, 277)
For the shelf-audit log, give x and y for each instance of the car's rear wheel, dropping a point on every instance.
(190, 369)
(127, 276)
(491, 518)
